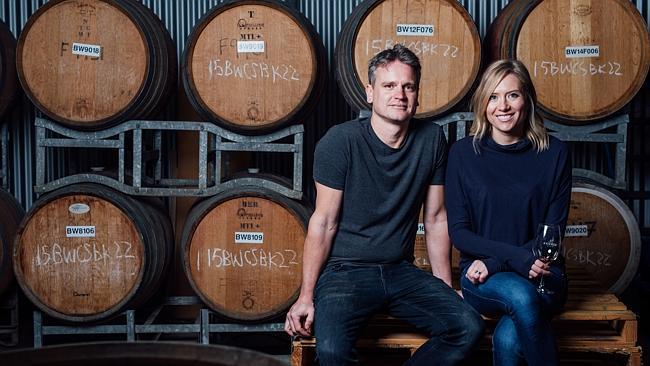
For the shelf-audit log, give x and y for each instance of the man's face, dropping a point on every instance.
(394, 94)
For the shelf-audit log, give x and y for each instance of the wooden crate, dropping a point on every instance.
(593, 322)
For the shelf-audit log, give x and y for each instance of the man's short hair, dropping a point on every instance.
(397, 53)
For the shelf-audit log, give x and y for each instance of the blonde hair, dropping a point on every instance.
(534, 128)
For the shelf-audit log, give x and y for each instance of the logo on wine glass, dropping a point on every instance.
(547, 248)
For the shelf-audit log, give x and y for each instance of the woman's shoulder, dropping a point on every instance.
(557, 145)
(463, 145)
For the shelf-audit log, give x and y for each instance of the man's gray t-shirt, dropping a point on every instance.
(383, 188)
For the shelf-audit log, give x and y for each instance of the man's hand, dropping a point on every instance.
(300, 319)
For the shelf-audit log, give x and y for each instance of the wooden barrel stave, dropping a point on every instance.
(448, 73)
(263, 279)
(132, 77)
(548, 34)
(162, 56)
(240, 90)
(90, 278)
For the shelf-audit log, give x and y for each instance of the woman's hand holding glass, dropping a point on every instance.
(546, 248)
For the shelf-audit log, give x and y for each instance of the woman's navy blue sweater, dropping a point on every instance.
(497, 196)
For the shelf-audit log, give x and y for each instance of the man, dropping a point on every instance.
(372, 176)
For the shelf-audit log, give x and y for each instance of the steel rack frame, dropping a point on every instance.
(593, 133)
(203, 326)
(211, 137)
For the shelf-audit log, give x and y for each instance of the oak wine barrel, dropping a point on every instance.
(253, 66)
(587, 58)
(8, 77)
(602, 236)
(242, 252)
(91, 64)
(140, 353)
(440, 32)
(11, 214)
(86, 252)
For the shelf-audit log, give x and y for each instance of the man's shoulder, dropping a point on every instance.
(342, 132)
(430, 126)
(346, 128)
(427, 132)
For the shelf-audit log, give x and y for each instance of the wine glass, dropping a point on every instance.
(547, 249)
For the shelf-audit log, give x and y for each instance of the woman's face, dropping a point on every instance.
(505, 111)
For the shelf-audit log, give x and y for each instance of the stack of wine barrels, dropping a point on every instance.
(254, 66)
(251, 67)
(11, 214)
(587, 58)
(86, 252)
(93, 64)
(242, 252)
(440, 32)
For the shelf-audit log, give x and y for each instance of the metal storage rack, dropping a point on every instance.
(595, 133)
(126, 325)
(212, 140)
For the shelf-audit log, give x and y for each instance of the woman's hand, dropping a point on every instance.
(477, 272)
(538, 269)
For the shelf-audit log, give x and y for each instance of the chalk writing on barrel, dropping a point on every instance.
(57, 254)
(593, 258)
(577, 68)
(218, 68)
(255, 257)
(420, 48)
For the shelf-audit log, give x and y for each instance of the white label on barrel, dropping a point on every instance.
(250, 46)
(415, 30)
(90, 50)
(420, 229)
(576, 230)
(582, 51)
(249, 238)
(80, 231)
(79, 208)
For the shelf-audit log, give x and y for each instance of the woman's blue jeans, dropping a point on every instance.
(348, 294)
(523, 331)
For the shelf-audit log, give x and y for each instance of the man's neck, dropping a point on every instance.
(390, 133)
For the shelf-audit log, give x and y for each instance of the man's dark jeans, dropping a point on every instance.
(348, 294)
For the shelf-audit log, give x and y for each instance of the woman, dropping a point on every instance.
(503, 180)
